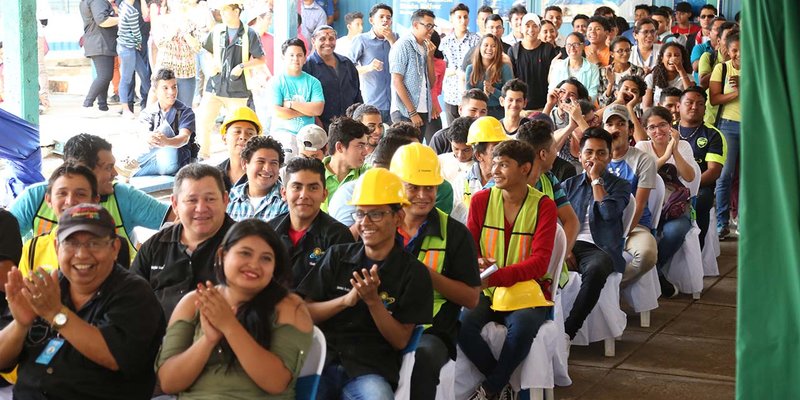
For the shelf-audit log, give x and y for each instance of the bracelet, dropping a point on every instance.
(412, 113)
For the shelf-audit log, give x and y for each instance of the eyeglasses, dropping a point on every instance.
(93, 245)
(374, 216)
(662, 125)
(573, 45)
(429, 26)
(707, 16)
(648, 32)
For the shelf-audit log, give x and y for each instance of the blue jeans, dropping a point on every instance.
(730, 129)
(670, 238)
(132, 61)
(164, 160)
(336, 384)
(522, 325)
(186, 90)
(104, 68)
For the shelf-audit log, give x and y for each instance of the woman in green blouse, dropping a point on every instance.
(245, 338)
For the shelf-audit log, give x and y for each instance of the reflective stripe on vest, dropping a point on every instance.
(492, 239)
(467, 196)
(45, 218)
(221, 36)
(431, 253)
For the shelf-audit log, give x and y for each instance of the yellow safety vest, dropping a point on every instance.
(547, 189)
(492, 240)
(220, 33)
(432, 253)
(45, 220)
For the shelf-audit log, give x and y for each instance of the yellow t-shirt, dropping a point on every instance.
(730, 110)
(44, 254)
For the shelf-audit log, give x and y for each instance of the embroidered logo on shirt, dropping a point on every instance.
(156, 267)
(315, 256)
(386, 299)
(702, 142)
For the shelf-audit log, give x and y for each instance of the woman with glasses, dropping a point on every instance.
(672, 71)
(488, 73)
(666, 146)
(576, 66)
(619, 67)
(643, 55)
(245, 338)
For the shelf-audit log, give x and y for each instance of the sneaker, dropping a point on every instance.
(127, 167)
(724, 232)
(113, 99)
(668, 289)
(507, 393)
(567, 343)
(480, 394)
(91, 112)
(127, 114)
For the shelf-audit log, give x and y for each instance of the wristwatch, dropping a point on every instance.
(60, 319)
(598, 181)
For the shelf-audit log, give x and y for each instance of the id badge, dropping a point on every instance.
(50, 351)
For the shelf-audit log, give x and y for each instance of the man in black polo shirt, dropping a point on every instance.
(305, 231)
(177, 258)
(708, 145)
(368, 296)
(90, 331)
(444, 246)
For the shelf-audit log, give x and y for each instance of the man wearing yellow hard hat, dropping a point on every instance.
(239, 126)
(444, 245)
(514, 226)
(484, 134)
(368, 296)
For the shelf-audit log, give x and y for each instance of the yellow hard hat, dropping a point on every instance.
(524, 294)
(377, 187)
(417, 164)
(241, 114)
(486, 130)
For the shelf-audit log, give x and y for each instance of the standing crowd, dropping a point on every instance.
(374, 185)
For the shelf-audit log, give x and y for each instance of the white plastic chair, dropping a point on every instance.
(547, 357)
(403, 391)
(643, 293)
(685, 269)
(308, 382)
(607, 321)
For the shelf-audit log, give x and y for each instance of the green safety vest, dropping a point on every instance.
(45, 220)
(432, 253)
(492, 239)
(547, 189)
(220, 30)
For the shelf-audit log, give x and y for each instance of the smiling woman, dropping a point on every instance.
(256, 351)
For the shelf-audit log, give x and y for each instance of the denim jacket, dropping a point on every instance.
(605, 217)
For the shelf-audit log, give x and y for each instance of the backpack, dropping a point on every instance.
(676, 194)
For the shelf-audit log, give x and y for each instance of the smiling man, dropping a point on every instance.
(336, 73)
(367, 297)
(239, 126)
(531, 60)
(347, 146)
(260, 196)
(306, 231)
(179, 257)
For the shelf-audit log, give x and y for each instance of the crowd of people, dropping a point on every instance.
(352, 200)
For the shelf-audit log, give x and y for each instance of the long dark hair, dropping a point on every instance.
(660, 77)
(493, 73)
(256, 314)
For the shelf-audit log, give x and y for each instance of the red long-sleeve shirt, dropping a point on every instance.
(533, 267)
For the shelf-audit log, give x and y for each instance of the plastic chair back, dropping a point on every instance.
(656, 201)
(627, 216)
(403, 391)
(308, 382)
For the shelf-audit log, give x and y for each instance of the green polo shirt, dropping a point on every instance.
(332, 183)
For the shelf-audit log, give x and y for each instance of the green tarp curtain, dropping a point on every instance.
(768, 330)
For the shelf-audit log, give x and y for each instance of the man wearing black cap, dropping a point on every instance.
(89, 332)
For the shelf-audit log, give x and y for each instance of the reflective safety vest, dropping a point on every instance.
(547, 189)
(492, 240)
(467, 196)
(220, 41)
(431, 253)
(45, 220)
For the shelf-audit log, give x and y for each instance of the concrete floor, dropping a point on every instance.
(687, 353)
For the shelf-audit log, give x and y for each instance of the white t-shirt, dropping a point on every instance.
(422, 106)
(585, 235)
(677, 83)
(686, 152)
(451, 167)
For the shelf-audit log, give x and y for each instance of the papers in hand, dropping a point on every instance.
(488, 271)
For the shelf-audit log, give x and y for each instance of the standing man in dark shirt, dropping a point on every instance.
(368, 296)
(179, 257)
(531, 61)
(234, 48)
(708, 145)
(306, 231)
(336, 73)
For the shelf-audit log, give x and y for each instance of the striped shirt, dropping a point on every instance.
(129, 34)
(268, 208)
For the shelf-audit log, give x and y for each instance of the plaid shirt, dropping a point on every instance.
(454, 50)
(270, 206)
